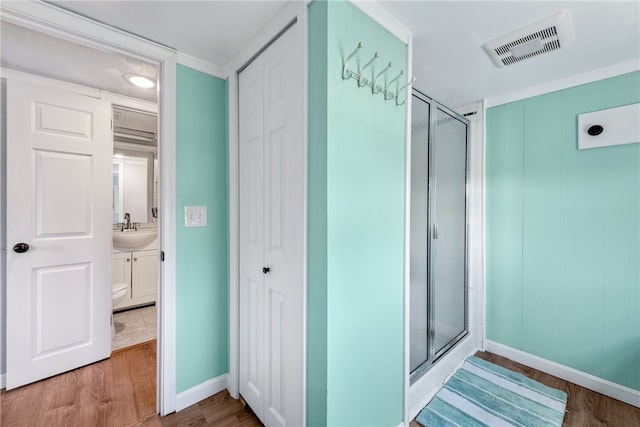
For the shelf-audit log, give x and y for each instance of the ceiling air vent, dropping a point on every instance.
(535, 39)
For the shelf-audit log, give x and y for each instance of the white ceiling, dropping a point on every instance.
(449, 62)
(38, 53)
(450, 65)
(214, 31)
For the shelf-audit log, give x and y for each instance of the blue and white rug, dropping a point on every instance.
(483, 394)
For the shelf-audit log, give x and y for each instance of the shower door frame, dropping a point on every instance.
(432, 355)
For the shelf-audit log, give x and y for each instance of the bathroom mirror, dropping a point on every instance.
(132, 185)
(134, 166)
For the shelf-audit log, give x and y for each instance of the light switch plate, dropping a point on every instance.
(195, 216)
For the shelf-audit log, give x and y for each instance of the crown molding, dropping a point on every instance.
(578, 79)
(202, 66)
(382, 16)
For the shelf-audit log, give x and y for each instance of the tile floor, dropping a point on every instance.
(134, 326)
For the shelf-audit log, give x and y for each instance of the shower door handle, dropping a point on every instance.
(435, 231)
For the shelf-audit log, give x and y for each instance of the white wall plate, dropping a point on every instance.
(195, 216)
(614, 126)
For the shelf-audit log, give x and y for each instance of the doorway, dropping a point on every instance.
(109, 97)
(134, 263)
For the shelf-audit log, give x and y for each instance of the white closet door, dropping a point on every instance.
(251, 236)
(271, 233)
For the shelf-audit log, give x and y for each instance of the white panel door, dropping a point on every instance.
(251, 234)
(271, 233)
(59, 152)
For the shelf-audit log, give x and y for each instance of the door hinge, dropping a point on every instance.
(161, 256)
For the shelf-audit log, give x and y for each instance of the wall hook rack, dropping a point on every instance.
(376, 88)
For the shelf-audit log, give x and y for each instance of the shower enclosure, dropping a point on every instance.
(438, 250)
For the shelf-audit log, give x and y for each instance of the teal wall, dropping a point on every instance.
(356, 220)
(317, 217)
(202, 327)
(563, 233)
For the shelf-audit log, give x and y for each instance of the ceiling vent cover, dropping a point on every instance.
(535, 39)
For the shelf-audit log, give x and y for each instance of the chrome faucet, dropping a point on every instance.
(127, 221)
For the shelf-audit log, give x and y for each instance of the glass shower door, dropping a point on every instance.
(448, 235)
(419, 259)
(438, 227)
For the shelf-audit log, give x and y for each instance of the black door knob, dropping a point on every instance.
(265, 270)
(20, 247)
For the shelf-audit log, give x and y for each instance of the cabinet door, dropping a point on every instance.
(121, 273)
(144, 276)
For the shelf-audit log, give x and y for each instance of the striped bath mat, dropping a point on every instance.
(483, 394)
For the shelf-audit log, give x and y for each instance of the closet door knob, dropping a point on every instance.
(265, 270)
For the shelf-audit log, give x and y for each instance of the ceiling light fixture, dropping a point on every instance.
(140, 81)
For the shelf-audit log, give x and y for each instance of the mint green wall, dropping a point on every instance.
(202, 326)
(356, 219)
(563, 233)
(317, 218)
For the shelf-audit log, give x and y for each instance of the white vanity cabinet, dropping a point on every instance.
(139, 270)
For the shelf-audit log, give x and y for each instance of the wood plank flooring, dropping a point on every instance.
(116, 392)
(585, 408)
(120, 391)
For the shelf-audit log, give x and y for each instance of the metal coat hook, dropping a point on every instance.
(345, 72)
(409, 83)
(386, 89)
(364, 67)
(375, 79)
(359, 76)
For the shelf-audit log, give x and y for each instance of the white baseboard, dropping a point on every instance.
(608, 388)
(201, 391)
(3, 381)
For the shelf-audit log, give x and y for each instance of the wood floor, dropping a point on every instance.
(585, 408)
(120, 391)
(117, 392)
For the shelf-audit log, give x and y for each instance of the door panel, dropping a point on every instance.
(63, 120)
(419, 251)
(448, 249)
(438, 309)
(271, 233)
(54, 328)
(144, 276)
(255, 348)
(285, 229)
(277, 351)
(251, 292)
(56, 176)
(59, 151)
